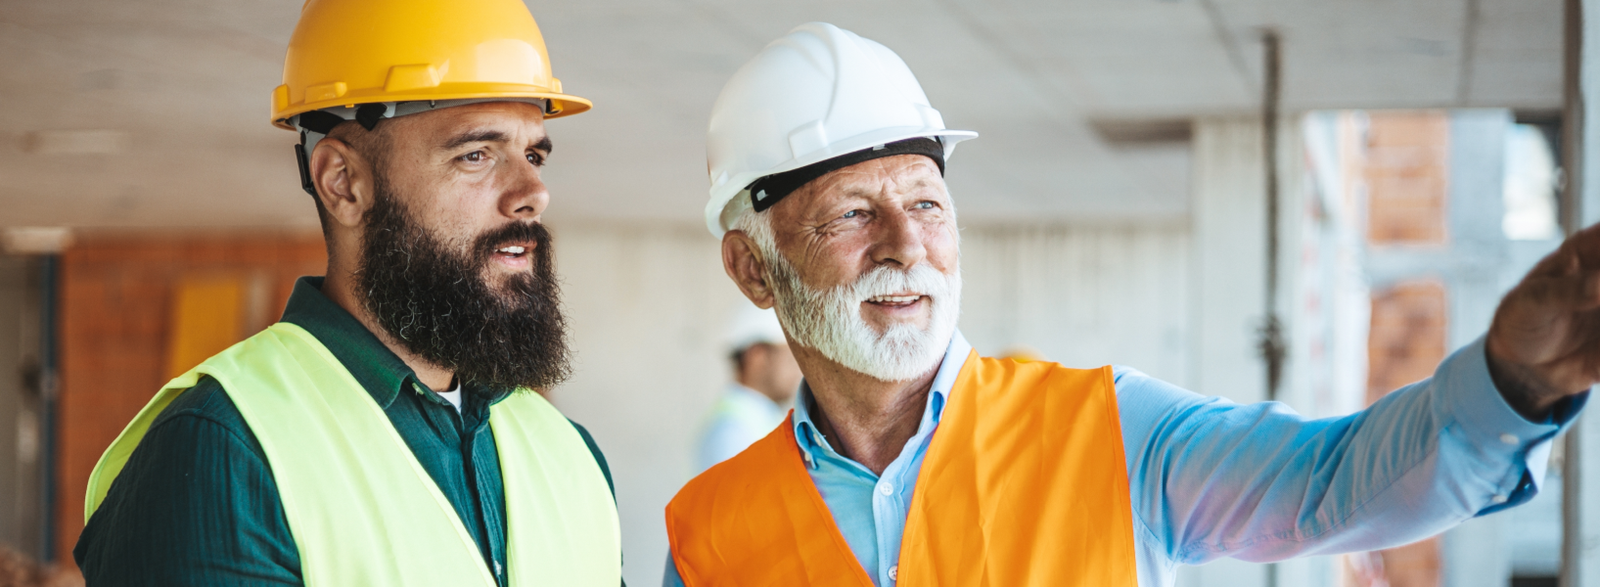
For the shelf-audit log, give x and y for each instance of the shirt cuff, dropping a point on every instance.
(1490, 424)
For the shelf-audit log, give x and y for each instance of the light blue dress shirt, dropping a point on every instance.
(1210, 478)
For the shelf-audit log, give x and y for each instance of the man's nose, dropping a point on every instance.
(525, 195)
(898, 240)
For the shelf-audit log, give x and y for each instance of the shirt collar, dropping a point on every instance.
(810, 440)
(382, 373)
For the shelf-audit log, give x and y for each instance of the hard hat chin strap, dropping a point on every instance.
(768, 190)
(316, 124)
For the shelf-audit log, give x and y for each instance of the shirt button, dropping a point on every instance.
(884, 488)
(1499, 498)
(1508, 438)
(894, 573)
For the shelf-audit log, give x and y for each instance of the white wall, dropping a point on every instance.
(647, 307)
(1081, 295)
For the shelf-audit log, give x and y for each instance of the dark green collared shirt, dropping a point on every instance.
(197, 503)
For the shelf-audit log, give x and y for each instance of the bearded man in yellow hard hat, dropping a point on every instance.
(910, 459)
(387, 431)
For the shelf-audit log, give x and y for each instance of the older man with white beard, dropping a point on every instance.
(909, 458)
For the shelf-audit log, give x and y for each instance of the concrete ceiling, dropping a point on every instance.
(174, 94)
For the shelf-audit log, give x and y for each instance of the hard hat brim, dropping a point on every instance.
(568, 104)
(724, 193)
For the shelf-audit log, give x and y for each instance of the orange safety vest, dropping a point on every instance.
(1024, 484)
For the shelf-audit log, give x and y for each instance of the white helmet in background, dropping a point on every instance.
(752, 326)
(817, 93)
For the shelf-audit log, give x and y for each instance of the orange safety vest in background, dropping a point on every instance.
(1024, 484)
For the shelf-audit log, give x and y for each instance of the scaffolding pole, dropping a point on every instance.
(1579, 207)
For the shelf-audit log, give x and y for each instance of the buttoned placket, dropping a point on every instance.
(891, 491)
(467, 442)
(890, 510)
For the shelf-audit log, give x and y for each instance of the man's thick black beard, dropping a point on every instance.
(436, 303)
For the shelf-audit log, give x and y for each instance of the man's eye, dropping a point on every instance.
(924, 205)
(536, 159)
(473, 157)
(851, 214)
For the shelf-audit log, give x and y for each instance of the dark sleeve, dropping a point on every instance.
(599, 459)
(195, 505)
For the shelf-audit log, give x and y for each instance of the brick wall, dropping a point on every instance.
(1406, 343)
(1407, 339)
(1406, 166)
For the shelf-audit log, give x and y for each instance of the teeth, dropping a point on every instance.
(894, 299)
(512, 250)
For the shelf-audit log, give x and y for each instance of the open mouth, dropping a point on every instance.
(895, 301)
(513, 251)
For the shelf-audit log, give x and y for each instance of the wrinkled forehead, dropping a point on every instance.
(900, 176)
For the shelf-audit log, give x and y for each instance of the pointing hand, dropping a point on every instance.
(1544, 344)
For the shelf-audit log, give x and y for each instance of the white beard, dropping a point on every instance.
(830, 321)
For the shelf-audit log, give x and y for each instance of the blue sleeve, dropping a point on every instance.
(195, 505)
(1211, 478)
(670, 578)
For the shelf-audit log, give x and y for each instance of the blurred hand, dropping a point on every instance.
(1544, 344)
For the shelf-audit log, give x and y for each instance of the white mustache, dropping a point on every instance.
(831, 320)
(885, 281)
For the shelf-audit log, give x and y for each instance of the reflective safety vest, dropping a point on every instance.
(1024, 483)
(363, 511)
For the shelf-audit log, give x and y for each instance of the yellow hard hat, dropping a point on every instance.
(346, 53)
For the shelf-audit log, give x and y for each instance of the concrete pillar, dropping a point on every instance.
(20, 448)
(1581, 159)
(1227, 215)
(1478, 552)
(1227, 224)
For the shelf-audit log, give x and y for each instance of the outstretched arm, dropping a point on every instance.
(1212, 478)
(1257, 482)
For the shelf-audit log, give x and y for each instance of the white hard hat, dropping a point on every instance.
(817, 93)
(751, 326)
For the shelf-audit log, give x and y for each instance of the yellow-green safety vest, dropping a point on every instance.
(361, 508)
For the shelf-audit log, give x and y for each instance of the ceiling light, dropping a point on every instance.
(37, 240)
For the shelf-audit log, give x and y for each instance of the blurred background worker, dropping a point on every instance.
(765, 380)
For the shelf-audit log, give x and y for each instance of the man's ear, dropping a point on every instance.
(743, 262)
(343, 180)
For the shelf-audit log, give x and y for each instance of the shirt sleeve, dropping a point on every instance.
(670, 577)
(1211, 478)
(195, 505)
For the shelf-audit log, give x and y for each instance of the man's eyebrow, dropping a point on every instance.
(476, 136)
(491, 136)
